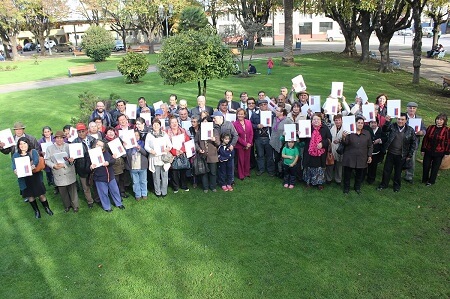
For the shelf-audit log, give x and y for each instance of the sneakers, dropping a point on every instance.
(225, 188)
(186, 189)
(175, 191)
(285, 185)
(230, 188)
(291, 186)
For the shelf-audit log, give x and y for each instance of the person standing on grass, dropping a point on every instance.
(244, 144)
(290, 155)
(378, 139)
(226, 163)
(264, 151)
(137, 164)
(102, 113)
(269, 66)
(64, 174)
(411, 113)
(334, 172)
(435, 145)
(105, 181)
(275, 140)
(19, 131)
(47, 136)
(31, 186)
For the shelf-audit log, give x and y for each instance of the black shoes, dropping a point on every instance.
(48, 211)
(108, 211)
(358, 191)
(122, 207)
(90, 205)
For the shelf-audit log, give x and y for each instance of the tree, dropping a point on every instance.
(417, 9)
(97, 42)
(145, 19)
(438, 11)
(192, 18)
(93, 10)
(133, 66)
(11, 23)
(288, 55)
(194, 55)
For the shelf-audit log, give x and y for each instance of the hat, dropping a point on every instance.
(60, 134)
(411, 104)
(262, 102)
(302, 92)
(80, 126)
(217, 113)
(18, 125)
(159, 112)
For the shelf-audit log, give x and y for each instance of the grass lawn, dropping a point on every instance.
(259, 241)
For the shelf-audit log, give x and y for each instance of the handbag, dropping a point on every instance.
(167, 158)
(200, 165)
(181, 162)
(40, 166)
(341, 148)
(407, 164)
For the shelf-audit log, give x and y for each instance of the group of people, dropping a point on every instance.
(169, 145)
(438, 48)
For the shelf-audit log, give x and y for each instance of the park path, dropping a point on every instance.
(431, 69)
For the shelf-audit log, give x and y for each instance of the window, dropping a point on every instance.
(305, 28)
(324, 26)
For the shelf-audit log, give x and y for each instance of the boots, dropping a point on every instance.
(47, 208)
(37, 213)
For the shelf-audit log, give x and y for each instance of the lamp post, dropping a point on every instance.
(164, 14)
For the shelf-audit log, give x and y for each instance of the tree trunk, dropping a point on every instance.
(251, 41)
(204, 87)
(350, 43)
(417, 46)
(199, 93)
(385, 63)
(365, 46)
(42, 43)
(288, 54)
(14, 47)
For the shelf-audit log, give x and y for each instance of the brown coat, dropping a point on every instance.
(357, 149)
(210, 147)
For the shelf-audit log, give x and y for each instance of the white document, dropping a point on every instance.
(266, 118)
(231, 117)
(331, 106)
(363, 95)
(394, 108)
(298, 83)
(116, 148)
(72, 134)
(163, 123)
(304, 128)
(206, 130)
(304, 109)
(44, 147)
(291, 132)
(7, 138)
(368, 111)
(271, 104)
(131, 110)
(76, 150)
(337, 89)
(185, 124)
(314, 103)
(147, 117)
(128, 138)
(159, 146)
(177, 141)
(60, 157)
(96, 156)
(157, 105)
(415, 123)
(23, 166)
(348, 124)
(189, 146)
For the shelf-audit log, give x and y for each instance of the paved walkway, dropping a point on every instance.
(431, 69)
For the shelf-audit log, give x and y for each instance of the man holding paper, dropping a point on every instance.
(262, 132)
(415, 122)
(19, 131)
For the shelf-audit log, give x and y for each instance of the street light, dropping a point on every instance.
(165, 15)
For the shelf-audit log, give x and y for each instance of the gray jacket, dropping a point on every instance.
(63, 176)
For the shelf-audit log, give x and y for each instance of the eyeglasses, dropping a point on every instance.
(81, 131)
(250, 103)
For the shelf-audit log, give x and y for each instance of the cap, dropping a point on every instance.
(80, 126)
(217, 113)
(411, 104)
(262, 102)
(60, 134)
(18, 125)
(159, 112)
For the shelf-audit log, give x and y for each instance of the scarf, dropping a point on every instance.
(277, 122)
(316, 138)
(157, 134)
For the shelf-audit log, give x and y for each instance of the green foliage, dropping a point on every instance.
(194, 55)
(35, 58)
(192, 18)
(97, 42)
(8, 68)
(87, 104)
(133, 66)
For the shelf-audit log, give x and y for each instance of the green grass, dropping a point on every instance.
(259, 241)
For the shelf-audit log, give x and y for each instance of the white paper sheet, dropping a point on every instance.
(163, 123)
(189, 146)
(96, 156)
(369, 111)
(291, 132)
(76, 150)
(298, 83)
(363, 95)
(331, 106)
(314, 103)
(186, 124)
(72, 134)
(231, 117)
(304, 109)
(131, 110)
(157, 105)
(116, 148)
(348, 124)
(128, 137)
(415, 123)
(159, 146)
(394, 108)
(206, 130)
(304, 128)
(44, 147)
(147, 117)
(177, 141)
(266, 118)
(337, 89)
(23, 166)
(7, 138)
(60, 157)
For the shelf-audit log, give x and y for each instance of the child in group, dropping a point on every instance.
(290, 155)
(269, 66)
(226, 163)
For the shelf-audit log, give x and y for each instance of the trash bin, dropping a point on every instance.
(298, 44)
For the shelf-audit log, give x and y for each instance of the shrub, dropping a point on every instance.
(133, 66)
(98, 43)
(88, 102)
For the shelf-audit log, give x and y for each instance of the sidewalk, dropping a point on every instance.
(431, 69)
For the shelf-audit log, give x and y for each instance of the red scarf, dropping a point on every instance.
(316, 138)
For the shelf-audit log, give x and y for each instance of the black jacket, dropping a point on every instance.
(82, 165)
(409, 139)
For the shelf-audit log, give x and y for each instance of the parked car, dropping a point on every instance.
(65, 47)
(29, 47)
(118, 45)
(47, 44)
(334, 35)
(406, 32)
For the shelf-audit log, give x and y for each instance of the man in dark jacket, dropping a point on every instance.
(399, 147)
(19, 131)
(261, 133)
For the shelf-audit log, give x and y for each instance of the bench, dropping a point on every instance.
(78, 53)
(82, 70)
(138, 49)
(445, 82)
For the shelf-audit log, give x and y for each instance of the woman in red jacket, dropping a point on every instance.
(244, 144)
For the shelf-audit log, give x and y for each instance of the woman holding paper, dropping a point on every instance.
(30, 186)
(178, 151)
(119, 164)
(63, 171)
(335, 171)
(314, 155)
(382, 105)
(435, 145)
(157, 144)
(44, 142)
(137, 164)
(244, 144)
(275, 140)
(357, 154)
